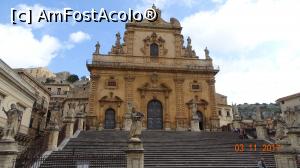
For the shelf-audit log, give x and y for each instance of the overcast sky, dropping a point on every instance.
(254, 42)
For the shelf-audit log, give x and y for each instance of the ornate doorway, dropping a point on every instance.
(200, 115)
(110, 122)
(154, 115)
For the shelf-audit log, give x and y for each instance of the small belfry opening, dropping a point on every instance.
(154, 50)
(110, 122)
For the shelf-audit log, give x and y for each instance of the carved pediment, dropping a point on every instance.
(111, 98)
(154, 38)
(159, 22)
(199, 102)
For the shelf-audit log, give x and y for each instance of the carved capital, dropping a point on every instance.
(211, 81)
(129, 78)
(179, 80)
(94, 76)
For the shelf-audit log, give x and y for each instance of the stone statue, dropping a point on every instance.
(56, 106)
(189, 42)
(71, 110)
(194, 110)
(129, 105)
(53, 123)
(281, 127)
(97, 51)
(14, 117)
(118, 39)
(206, 51)
(136, 126)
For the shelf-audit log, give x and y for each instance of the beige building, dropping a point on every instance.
(40, 107)
(158, 74)
(78, 97)
(14, 90)
(290, 108)
(59, 92)
(224, 110)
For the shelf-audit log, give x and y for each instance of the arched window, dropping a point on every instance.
(154, 50)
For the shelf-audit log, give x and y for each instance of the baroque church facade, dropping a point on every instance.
(155, 72)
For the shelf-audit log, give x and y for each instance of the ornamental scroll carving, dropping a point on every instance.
(154, 38)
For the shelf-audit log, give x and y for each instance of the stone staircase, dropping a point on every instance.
(163, 149)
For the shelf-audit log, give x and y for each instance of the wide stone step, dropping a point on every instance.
(166, 149)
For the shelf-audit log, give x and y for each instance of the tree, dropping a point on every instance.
(72, 78)
(49, 80)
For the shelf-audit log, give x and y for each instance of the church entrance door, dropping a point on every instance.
(200, 115)
(110, 122)
(154, 115)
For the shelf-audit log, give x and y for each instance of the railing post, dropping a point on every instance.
(135, 154)
(294, 137)
(261, 130)
(53, 136)
(8, 153)
(80, 117)
(69, 121)
(285, 156)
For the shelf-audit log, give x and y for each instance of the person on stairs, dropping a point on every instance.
(261, 163)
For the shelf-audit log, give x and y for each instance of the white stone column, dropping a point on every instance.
(69, 121)
(285, 156)
(8, 153)
(135, 154)
(237, 122)
(294, 137)
(80, 117)
(195, 125)
(53, 137)
(261, 130)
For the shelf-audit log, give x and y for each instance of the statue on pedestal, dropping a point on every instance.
(281, 127)
(71, 111)
(194, 110)
(136, 126)
(14, 117)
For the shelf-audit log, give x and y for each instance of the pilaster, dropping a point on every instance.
(285, 156)
(180, 119)
(91, 115)
(215, 123)
(53, 137)
(69, 121)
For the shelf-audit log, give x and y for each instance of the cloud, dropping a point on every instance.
(79, 36)
(20, 48)
(36, 13)
(256, 45)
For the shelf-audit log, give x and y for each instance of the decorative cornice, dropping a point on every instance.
(149, 67)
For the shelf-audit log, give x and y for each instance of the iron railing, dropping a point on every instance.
(80, 161)
(35, 150)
